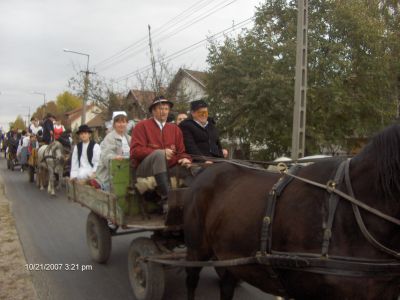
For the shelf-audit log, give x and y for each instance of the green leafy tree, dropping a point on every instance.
(67, 101)
(18, 124)
(352, 67)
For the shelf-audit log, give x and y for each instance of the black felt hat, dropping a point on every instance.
(84, 128)
(50, 115)
(158, 100)
(195, 105)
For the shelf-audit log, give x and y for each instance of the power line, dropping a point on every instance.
(193, 8)
(181, 28)
(187, 49)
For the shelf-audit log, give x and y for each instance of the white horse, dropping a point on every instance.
(51, 160)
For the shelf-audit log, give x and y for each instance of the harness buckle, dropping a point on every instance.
(331, 186)
(282, 168)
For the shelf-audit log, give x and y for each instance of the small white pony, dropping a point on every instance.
(51, 159)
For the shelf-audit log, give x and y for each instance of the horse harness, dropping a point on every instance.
(321, 263)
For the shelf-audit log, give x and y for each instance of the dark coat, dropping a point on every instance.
(48, 130)
(199, 140)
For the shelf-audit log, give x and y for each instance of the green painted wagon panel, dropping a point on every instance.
(120, 179)
(115, 205)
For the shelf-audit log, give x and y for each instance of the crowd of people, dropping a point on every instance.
(18, 145)
(153, 146)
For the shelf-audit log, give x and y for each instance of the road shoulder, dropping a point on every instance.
(15, 279)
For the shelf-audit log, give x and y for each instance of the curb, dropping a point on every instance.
(15, 279)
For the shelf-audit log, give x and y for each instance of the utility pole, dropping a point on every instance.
(153, 64)
(85, 94)
(85, 84)
(300, 86)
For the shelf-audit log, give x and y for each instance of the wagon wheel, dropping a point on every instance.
(31, 174)
(98, 238)
(147, 279)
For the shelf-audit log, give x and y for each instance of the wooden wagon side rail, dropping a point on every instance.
(98, 201)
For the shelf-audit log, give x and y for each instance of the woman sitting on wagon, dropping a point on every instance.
(86, 155)
(114, 146)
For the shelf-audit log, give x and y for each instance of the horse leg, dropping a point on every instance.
(41, 180)
(227, 286)
(60, 177)
(192, 280)
(50, 188)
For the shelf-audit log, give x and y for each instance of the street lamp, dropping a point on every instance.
(44, 100)
(29, 114)
(85, 84)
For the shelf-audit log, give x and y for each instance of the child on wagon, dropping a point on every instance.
(86, 155)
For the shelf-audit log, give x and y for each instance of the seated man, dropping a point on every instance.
(200, 134)
(157, 145)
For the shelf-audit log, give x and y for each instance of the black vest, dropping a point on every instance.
(89, 152)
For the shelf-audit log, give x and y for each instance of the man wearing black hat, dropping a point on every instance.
(48, 129)
(157, 145)
(86, 155)
(200, 134)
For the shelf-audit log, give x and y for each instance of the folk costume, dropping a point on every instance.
(150, 138)
(58, 131)
(48, 130)
(201, 139)
(112, 146)
(85, 157)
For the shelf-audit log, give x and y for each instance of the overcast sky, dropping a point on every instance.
(34, 33)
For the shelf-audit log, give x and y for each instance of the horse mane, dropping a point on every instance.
(384, 150)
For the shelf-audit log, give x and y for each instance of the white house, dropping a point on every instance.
(188, 85)
(73, 117)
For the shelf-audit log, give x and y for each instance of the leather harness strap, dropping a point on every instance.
(360, 220)
(273, 195)
(332, 203)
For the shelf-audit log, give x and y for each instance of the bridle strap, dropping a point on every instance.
(332, 203)
(351, 199)
(360, 220)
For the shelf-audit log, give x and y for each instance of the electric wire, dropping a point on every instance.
(181, 28)
(187, 49)
(175, 20)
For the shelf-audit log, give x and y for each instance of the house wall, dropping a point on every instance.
(91, 113)
(187, 88)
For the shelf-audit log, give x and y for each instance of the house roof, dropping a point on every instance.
(144, 98)
(98, 120)
(77, 113)
(197, 76)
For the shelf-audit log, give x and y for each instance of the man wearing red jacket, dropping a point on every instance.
(157, 145)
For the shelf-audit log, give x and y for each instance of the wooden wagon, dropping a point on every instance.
(121, 212)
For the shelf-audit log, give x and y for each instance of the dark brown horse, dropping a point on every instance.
(226, 204)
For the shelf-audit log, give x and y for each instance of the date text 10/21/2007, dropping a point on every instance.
(58, 267)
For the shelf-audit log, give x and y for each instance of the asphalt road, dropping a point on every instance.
(52, 231)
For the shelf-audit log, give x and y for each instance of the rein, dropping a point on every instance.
(330, 187)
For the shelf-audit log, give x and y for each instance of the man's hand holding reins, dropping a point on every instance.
(184, 162)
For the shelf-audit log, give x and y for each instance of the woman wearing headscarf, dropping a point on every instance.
(114, 146)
